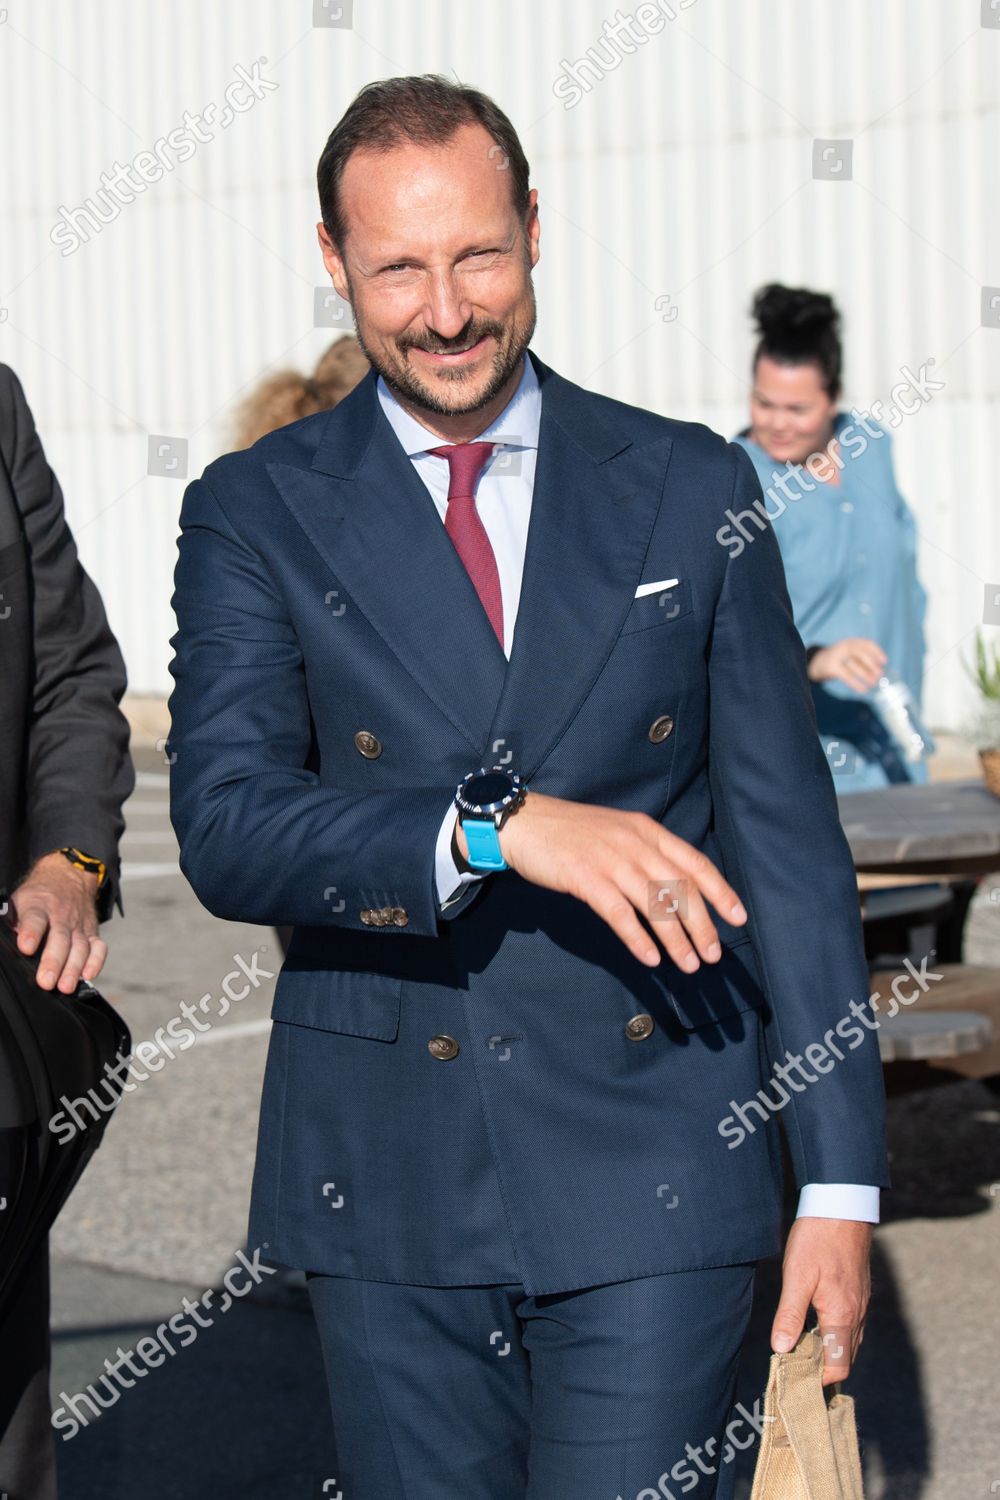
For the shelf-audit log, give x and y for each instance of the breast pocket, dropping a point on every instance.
(347, 1001)
(660, 608)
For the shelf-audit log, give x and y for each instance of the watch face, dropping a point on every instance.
(490, 787)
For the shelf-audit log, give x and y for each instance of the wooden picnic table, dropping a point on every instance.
(942, 828)
(902, 835)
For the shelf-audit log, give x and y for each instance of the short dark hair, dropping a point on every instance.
(798, 326)
(427, 110)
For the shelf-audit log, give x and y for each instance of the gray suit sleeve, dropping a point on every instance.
(78, 768)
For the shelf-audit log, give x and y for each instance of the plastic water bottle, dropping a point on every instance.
(900, 717)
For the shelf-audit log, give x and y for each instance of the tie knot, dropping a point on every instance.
(465, 462)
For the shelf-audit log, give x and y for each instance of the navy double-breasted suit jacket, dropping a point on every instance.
(319, 596)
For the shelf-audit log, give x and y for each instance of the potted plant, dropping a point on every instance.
(987, 731)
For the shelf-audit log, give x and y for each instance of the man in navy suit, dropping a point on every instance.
(469, 694)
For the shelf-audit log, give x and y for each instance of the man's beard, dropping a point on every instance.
(511, 342)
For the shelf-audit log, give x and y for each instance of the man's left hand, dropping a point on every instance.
(825, 1265)
(57, 903)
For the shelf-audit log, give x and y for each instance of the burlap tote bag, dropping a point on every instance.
(809, 1447)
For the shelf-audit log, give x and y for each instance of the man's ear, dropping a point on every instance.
(533, 228)
(332, 261)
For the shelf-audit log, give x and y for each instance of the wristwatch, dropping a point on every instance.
(485, 800)
(87, 863)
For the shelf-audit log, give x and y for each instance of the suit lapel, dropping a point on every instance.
(369, 515)
(595, 500)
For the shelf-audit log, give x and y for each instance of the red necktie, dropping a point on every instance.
(467, 532)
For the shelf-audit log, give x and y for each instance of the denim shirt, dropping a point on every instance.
(849, 552)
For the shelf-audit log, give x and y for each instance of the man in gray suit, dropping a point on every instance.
(64, 774)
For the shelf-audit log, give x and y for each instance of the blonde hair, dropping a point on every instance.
(288, 395)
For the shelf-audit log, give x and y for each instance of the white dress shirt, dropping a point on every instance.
(503, 502)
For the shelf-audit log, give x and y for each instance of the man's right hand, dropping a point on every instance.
(616, 862)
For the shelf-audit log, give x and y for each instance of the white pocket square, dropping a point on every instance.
(654, 588)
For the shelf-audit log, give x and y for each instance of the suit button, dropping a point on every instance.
(639, 1028)
(367, 916)
(382, 916)
(443, 1047)
(400, 916)
(660, 728)
(368, 743)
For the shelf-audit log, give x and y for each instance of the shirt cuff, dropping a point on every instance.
(839, 1200)
(449, 881)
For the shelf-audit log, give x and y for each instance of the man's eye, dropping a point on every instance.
(404, 265)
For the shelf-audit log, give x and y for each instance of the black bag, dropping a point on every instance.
(51, 1046)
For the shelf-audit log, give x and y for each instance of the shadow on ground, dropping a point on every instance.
(239, 1414)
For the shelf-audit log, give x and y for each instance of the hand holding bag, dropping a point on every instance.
(809, 1447)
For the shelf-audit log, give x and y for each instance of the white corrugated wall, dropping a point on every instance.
(685, 172)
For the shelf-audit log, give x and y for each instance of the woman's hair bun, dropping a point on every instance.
(784, 310)
(797, 326)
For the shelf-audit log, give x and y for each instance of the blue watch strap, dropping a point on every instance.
(484, 844)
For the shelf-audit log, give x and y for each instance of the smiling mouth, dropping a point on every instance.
(454, 356)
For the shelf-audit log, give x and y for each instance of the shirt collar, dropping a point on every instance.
(517, 425)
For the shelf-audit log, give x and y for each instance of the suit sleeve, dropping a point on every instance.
(261, 838)
(78, 768)
(785, 851)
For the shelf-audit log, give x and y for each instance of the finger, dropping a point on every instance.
(867, 658)
(663, 910)
(871, 672)
(95, 963)
(789, 1320)
(873, 663)
(707, 878)
(54, 955)
(79, 952)
(31, 925)
(839, 1342)
(614, 907)
(680, 920)
(853, 679)
(873, 649)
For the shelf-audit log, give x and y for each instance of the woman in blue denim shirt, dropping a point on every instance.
(847, 536)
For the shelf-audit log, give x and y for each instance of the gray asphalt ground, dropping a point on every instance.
(241, 1413)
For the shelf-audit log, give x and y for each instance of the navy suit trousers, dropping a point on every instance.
(616, 1392)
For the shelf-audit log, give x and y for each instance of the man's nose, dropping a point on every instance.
(447, 312)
